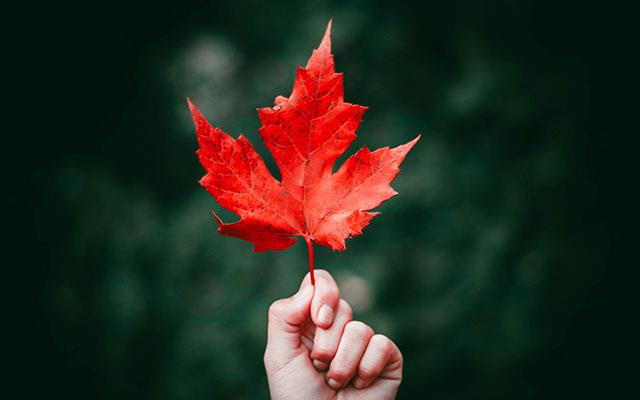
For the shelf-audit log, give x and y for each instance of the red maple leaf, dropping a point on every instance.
(305, 133)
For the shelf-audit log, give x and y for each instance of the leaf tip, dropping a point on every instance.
(402, 150)
(326, 39)
(414, 141)
(195, 113)
(218, 221)
(190, 103)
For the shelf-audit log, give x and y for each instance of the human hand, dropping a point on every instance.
(315, 350)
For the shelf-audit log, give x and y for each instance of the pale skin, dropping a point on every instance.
(315, 350)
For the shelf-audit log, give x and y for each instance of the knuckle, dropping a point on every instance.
(358, 328)
(326, 281)
(276, 308)
(382, 342)
(323, 273)
(386, 346)
(345, 308)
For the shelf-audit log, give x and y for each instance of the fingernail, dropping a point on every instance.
(333, 383)
(319, 365)
(325, 315)
(358, 383)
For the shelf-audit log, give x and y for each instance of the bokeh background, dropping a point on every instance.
(491, 269)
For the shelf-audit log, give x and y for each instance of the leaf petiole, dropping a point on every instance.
(310, 248)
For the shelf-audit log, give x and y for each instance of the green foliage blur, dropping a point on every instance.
(490, 269)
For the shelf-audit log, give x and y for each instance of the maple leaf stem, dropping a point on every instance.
(310, 248)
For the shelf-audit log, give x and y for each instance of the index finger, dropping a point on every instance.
(325, 298)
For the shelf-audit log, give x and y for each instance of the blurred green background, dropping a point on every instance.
(490, 269)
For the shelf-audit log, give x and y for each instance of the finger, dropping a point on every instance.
(286, 317)
(325, 299)
(308, 334)
(382, 358)
(326, 341)
(352, 346)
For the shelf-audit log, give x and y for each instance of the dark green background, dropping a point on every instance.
(492, 270)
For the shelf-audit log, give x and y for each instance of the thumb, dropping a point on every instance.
(286, 317)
